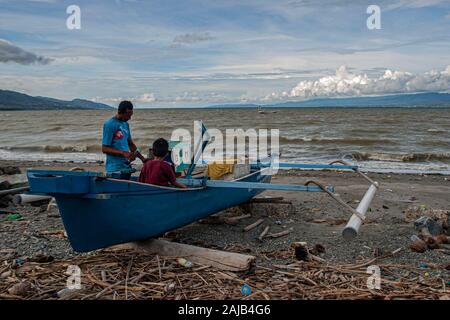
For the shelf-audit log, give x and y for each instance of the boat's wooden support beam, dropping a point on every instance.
(222, 260)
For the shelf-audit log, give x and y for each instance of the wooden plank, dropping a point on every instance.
(222, 260)
(253, 225)
(264, 233)
(280, 234)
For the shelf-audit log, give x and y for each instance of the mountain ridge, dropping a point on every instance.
(13, 100)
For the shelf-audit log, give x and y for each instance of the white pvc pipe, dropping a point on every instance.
(27, 198)
(352, 228)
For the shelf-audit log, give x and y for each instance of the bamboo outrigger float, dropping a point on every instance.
(99, 210)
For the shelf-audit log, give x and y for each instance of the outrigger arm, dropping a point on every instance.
(252, 185)
(358, 215)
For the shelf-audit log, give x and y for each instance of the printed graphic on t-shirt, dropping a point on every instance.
(118, 135)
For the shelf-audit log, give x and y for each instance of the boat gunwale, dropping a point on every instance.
(152, 188)
(172, 188)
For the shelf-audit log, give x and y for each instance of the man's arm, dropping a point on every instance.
(133, 149)
(170, 174)
(119, 153)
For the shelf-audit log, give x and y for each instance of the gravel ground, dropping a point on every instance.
(314, 217)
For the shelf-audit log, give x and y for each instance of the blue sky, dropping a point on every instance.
(184, 53)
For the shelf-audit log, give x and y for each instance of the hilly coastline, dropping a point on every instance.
(12, 100)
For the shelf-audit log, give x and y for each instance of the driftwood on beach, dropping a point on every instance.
(219, 259)
(127, 274)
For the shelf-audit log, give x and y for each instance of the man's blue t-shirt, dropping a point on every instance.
(116, 134)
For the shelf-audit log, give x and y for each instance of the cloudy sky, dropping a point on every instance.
(202, 52)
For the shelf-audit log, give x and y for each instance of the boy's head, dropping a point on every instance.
(160, 148)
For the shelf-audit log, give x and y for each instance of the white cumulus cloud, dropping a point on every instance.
(143, 98)
(344, 83)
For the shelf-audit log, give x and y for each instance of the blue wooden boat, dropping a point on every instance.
(100, 210)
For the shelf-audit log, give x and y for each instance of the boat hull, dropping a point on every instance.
(115, 212)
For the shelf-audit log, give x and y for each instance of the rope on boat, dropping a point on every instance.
(154, 185)
(337, 198)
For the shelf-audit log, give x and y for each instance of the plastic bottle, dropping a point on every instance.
(185, 263)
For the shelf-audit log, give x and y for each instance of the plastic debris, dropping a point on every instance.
(20, 289)
(417, 244)
(13, 217)
(66, 293)
(300, 250)
(427, 225)
(185, 263)
(246, 290)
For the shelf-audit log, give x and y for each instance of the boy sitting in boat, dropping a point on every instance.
(157, 171)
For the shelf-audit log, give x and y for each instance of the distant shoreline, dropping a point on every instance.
(244, 108)
(15, 101)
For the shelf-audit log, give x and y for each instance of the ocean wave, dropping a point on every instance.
(436, 131)
(56, 149)
(409, 157)
(338, 141)
(51, 129)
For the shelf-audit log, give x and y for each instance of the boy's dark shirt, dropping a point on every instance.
(157, 172)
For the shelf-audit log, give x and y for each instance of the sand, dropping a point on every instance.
(38, 240)
(314, 218)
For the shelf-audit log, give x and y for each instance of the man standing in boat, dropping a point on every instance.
(117, 143)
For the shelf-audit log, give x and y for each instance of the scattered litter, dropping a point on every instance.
(246, 290)
(17, 263)
(185, 263)
(12, 217)
(20, 289)
(41, 258)
(9, 170)
(377, 252)
(414, 212)
(428, 226)
(318, 249)
(417, 244)
(151, 278)
(301, 251)
(66, 293)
